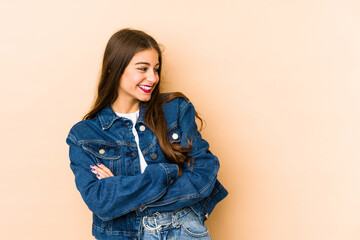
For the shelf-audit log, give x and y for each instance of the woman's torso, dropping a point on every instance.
(108, 139)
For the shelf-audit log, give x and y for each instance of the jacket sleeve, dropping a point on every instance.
(197, 181)
(115, 196)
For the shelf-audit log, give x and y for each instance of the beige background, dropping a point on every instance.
(277, 82)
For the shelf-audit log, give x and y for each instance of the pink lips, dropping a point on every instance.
(146, 88)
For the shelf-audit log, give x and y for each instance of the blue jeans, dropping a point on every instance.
(183, 224)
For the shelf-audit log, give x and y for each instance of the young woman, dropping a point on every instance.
(139, 161)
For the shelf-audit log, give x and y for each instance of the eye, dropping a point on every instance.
(157, 70)
(144, 69)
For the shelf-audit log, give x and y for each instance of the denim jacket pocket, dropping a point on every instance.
(110, 151)
(106, 153)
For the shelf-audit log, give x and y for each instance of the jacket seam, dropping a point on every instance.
(146, 150)
(167, 174)
(172, 126)
(183, 108)
(116, 143)
(73, 139)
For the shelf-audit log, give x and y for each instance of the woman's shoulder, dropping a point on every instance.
(83, 124)
(175, 100)
(175, 106)
(82, 128)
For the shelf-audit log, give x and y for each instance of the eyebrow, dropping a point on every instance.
(146, 63)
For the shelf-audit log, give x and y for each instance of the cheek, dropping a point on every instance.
(131, 81)
(157, 80)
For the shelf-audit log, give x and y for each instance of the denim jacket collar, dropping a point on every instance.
(107, 116)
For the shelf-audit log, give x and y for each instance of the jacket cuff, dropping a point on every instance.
(172, 171)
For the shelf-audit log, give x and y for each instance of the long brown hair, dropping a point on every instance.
(119, 51)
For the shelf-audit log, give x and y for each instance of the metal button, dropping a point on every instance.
(175, 136)
(101, 151)
(142, 128)
(154, 156)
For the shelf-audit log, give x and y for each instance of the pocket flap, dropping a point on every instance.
(103, 150)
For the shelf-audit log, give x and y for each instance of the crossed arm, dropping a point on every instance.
(101, 171)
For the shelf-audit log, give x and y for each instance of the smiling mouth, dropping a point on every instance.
(146, 89)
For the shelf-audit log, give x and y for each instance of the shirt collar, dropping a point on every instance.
(107, 116)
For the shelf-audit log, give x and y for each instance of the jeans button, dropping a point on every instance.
(142, 128)
(154, 156)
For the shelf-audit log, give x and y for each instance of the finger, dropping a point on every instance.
(105, 169)
(101, 172)
(98, 174)
(95, 170)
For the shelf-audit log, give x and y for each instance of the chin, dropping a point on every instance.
(144, 98)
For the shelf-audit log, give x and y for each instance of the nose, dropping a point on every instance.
(152, 76)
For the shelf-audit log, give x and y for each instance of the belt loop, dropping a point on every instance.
(175, 221)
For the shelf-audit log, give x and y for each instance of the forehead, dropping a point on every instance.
(149, 55)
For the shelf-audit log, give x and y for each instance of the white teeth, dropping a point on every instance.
(145, 88)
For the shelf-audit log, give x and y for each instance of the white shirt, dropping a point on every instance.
(134, 117)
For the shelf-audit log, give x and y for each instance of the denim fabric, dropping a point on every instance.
(179, 225)
(118, 203)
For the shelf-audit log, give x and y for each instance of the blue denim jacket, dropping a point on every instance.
(119, 202)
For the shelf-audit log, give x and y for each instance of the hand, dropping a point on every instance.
(101, 171)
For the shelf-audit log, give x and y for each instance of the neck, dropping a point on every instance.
(121, 106)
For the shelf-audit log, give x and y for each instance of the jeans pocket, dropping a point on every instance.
(195, 228)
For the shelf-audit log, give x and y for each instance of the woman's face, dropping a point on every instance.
(140, 77)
